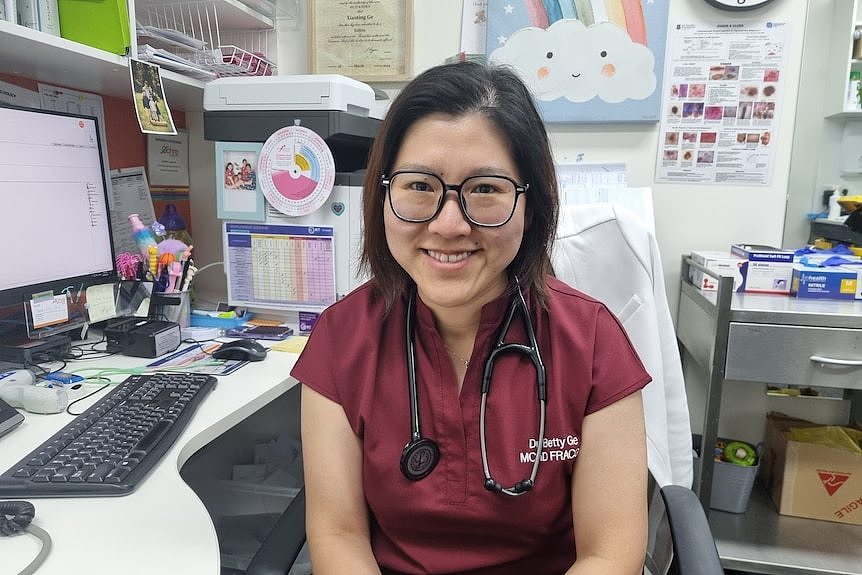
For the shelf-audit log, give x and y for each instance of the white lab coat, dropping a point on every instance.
(608, 253)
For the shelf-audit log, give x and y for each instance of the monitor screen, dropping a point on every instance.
(55, 232)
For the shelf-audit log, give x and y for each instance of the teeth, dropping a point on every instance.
(448, 258)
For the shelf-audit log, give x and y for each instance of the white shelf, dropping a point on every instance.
(232, 14)
(46, 58)
(846, 115)
(841, 60)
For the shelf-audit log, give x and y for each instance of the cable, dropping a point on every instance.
(37, 561)
(15, 518)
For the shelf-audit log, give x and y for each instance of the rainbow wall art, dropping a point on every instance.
(584, 60)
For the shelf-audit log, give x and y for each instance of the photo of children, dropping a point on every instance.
(151, 108)
(239, 195)
(240, 176)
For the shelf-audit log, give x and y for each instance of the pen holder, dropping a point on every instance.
(174, 307)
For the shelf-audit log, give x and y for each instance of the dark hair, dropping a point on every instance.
(458, 90)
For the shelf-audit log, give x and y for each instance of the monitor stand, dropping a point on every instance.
(25, 352)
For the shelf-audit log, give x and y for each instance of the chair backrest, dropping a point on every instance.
(607, 252)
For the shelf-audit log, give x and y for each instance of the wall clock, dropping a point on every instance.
(738, 5)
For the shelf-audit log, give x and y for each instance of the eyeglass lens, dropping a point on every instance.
(487, 200)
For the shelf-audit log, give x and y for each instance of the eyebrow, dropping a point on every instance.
(481, 171)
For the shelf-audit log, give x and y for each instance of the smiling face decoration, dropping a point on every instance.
(577, 62)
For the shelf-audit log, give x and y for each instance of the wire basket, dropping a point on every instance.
(192, 32)
(233, 61)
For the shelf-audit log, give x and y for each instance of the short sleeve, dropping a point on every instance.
(617, 369)
(314, 366)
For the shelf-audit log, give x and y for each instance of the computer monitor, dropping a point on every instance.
(55, 234)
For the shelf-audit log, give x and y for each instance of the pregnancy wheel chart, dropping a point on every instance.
(297, 171)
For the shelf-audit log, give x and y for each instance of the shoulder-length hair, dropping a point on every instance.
(460, 89)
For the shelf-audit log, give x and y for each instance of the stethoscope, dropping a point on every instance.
(421, 454)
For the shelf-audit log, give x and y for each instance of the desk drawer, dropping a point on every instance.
(781, 354)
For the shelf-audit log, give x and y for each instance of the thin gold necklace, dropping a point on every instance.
(456, 356)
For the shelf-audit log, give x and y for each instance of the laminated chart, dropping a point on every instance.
(297, 170)
(280, 266)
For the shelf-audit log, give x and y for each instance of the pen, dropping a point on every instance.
(181, 284)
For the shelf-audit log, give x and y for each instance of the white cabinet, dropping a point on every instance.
(845, 18)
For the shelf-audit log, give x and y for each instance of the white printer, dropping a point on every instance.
(341, 111)
(330, 92)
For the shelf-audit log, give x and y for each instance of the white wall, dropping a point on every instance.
(687, 216)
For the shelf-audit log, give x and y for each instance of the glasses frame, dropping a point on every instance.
(386, 181)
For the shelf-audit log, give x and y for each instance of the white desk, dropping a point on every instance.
(160, 528)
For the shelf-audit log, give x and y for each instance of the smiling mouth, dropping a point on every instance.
(576, 75)
(448, 258)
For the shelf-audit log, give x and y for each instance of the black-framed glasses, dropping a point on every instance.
(486, 201)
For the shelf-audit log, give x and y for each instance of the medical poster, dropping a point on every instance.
(279, 267)
(584, 60)
(722, 101)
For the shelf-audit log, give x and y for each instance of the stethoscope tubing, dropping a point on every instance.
(420, 455)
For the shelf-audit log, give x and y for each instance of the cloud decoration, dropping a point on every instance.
(577, 62)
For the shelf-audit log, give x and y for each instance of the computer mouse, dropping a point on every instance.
(242, 349)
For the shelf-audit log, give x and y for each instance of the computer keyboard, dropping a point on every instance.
(110, 448)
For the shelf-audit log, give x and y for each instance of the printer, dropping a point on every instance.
(342, 111)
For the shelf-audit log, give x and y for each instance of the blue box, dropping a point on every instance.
(225, 323)
(831, 282)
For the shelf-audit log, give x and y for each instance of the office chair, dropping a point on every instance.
(680, 541)
(278, 552)
(608, 253)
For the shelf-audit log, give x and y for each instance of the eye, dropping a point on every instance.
(549, 55)
(603, 53)
(419, 186)
(485, 187)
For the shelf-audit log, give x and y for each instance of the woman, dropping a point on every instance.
(450, 262)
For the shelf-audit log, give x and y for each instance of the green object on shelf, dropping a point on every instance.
(102, 24)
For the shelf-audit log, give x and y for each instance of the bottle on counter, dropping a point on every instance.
(175, 225)
(143, 236)
(853, 102)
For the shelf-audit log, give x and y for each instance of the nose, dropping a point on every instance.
(451, 220)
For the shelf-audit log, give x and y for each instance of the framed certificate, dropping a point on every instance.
(369, 40)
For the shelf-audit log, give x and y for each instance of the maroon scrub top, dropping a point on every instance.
(448, 522)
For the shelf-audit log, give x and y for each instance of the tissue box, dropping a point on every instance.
(810, 479)
(721, 262)
(830, 282)
(766, 269)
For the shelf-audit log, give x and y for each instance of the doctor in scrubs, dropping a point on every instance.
(464, 411)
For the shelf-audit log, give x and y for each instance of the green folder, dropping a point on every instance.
(102, 24)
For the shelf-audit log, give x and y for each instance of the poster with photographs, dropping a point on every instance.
(723, 98)
(239, 195)
(151, 107)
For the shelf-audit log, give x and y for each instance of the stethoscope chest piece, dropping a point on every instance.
(419, 458)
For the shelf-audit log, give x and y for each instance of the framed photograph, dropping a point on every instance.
(238, 193)
(369, 40)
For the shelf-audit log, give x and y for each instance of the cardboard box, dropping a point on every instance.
(831, 282)
(766, 269)
(722, 263)
(810, 480)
